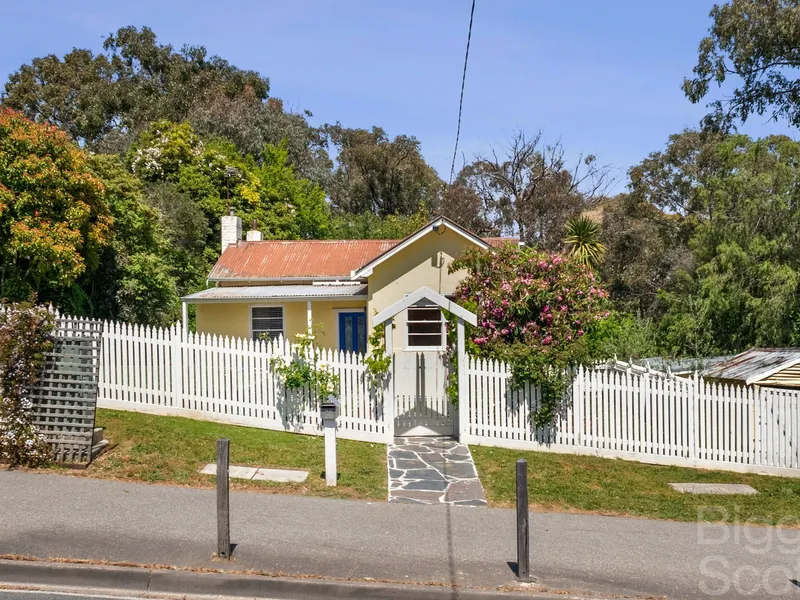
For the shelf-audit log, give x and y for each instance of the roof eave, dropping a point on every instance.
(190, 300)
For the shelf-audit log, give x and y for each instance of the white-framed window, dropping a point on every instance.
(425, 327)
(266, 322)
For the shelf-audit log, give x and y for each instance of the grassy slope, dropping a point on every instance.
(583, 483)
(172, 449)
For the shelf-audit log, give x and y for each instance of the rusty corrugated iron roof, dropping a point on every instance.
(754, 364)
(275, 260)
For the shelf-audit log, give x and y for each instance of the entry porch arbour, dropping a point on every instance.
(425, 296)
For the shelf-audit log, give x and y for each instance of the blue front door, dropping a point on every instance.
(353, 331)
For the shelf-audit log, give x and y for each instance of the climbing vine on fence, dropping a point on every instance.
(306, 371)
(26, 334)
(378, 361)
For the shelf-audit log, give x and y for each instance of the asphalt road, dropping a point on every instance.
(37, 595)
(62, 516)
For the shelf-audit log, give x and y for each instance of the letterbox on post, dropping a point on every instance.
(328, 411)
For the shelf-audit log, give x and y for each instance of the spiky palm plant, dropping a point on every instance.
(583, 240)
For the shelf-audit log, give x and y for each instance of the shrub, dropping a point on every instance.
(25, 336)
(534, 311)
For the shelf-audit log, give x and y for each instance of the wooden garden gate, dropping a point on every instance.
(421, 404)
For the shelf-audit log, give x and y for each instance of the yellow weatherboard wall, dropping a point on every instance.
(324, 316)
(223, 319)
(233, 318)
(423, 263)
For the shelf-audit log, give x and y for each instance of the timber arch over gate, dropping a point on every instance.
(418, 386)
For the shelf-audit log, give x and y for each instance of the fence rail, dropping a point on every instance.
(656, 418)
(229, 380)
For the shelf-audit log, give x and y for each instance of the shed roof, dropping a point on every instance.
(277, 292)
(755, 364)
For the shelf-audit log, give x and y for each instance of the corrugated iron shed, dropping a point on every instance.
(755, 365)
(277, 292)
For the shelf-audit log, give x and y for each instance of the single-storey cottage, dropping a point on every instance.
(272, 288)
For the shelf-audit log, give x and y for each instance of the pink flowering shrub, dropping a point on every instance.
(25, 336)
(534, 311)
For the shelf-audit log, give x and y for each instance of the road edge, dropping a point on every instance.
(36, 574)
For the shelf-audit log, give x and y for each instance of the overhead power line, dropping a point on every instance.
(461, 99)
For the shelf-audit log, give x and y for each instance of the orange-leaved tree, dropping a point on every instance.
(54, 218)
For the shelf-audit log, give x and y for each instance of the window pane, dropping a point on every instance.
(275, 312)
(361, 323)
(267, 322)
(425, 313)
(348, 333)
(426, 327)
(418, 340)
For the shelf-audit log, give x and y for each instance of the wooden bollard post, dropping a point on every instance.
(223, 500)
(523, 527)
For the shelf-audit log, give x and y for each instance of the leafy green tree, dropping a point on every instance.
(369, 226)
(646, 249)
(583, 240)
(54, 216)
(278, 185)
(252, 125)
(192, 183)
(138, 258)
(376, 174)
(187, 231)
(740, 212)
(758, 43)
(96, 99)
(624, 336)
(146, 290)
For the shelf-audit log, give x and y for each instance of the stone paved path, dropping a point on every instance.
(433, 470)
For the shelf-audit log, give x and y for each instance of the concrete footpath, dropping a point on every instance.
(52, 516)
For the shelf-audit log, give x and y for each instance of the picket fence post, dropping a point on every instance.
(463, 381)
(692, 415)
(176, 354)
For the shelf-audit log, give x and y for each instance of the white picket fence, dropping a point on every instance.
(228, 380)
(636, 413)
(639, 415)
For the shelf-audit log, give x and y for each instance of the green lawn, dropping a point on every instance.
(158, 449)
(564, 482)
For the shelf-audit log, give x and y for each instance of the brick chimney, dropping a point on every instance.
(231, 230)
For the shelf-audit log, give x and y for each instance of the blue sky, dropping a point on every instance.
(604, 77)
